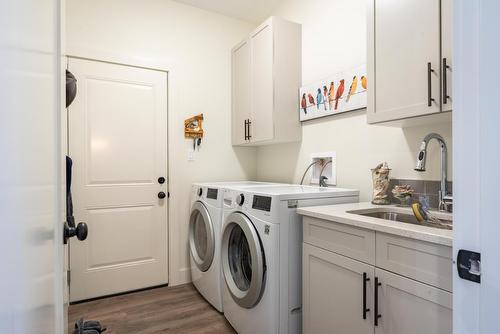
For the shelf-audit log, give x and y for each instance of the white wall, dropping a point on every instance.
(334, 38)
(194, 45)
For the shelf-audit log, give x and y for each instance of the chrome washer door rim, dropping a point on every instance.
(199, 208)
(252, 295)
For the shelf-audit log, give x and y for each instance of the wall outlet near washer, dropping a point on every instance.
(330, 170)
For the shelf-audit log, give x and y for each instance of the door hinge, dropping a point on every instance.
(469, 265)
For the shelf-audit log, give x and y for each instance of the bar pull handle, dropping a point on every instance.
(365, 309)
(246, 131)
(429, 84)
(445, 81)
(377, 315)
(249, 134)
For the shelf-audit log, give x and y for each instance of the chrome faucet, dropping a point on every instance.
(445, 199)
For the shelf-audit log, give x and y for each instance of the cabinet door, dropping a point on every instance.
(409, 307)
(404, 36)
(446, 50)
(333, 293)
(262, 127)
(241, 91)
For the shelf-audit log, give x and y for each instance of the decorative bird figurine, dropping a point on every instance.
(311, 99)
(340, 91)
(352, 89)
(319, 98)
(325, 96)
(331, 95)
(303, 103)
(363, 82)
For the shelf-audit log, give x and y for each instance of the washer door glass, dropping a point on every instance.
(201, 236)
(243, 260)
(240, 259)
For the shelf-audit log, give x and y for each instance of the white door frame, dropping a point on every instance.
(156, 66)
(476, 157)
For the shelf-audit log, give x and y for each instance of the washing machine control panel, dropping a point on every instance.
(261, 203)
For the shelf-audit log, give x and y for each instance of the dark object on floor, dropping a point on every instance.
(70, 88)
(88, 327)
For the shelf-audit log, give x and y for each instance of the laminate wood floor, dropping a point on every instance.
(179, 310)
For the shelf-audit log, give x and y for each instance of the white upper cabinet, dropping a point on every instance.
(241, 91)
(266, 76)
(407, 43)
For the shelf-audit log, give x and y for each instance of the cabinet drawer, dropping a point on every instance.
(422, 261)
(353, 242)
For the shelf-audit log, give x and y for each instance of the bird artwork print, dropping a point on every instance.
(363, 82)
(331, 95)
(311, 99)
(340, 92)
(337, 93)
(319, 98)
(325, 96)
(352, 89)
(303, 103)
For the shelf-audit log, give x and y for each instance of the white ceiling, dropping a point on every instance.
(249, 10)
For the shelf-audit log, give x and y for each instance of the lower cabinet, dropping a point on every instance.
(333, 295)
(410, 307)
(340, 296)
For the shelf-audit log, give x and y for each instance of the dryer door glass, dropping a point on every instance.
(201, 236)
(243, 260)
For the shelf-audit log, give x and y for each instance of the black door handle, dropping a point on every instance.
(161, 180)
(429, 84)
(445, 82)
(365, 310)
(81, 231)
(377, 315)
(246, 131)
(248, 124)
(161, 195)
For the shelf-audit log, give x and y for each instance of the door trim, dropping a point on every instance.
(251, 297)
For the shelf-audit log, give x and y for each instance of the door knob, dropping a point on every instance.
(161, 180)
(161, 195)
(81, 231)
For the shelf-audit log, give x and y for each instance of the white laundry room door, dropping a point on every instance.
(118, 143)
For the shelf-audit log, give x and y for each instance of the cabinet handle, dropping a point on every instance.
(246, 133)
(445, 82)
(377, 316)
(249, 134)
(365, 279)
(429, 84)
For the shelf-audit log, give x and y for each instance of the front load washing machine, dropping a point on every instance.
(262, 254)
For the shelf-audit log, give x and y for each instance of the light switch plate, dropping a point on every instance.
(330, 171)
(190, 155)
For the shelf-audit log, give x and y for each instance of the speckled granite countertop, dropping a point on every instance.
(342, 213)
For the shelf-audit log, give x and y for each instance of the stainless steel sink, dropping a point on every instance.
(404, 215)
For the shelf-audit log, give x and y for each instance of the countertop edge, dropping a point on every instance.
(374, 226)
